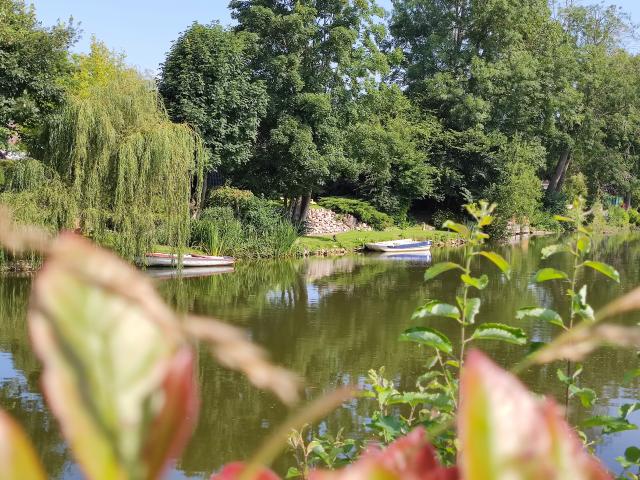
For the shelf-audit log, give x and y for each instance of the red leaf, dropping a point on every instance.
(506, 432)
(174, 424)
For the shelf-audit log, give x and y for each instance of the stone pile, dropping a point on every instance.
(321, 221)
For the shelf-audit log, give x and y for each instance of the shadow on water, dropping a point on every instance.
(331, 320)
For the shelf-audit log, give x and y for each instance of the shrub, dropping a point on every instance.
(634, 217)
(576, 186)
(598, 218)
(618, 217)
(363, 211)
(256, 230)
(217, 231)
(546, 222)
(230, 197)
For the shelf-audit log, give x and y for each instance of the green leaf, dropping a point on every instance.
(19, 459)
(583, 245)
(479, 283)
(546, 274)
(632, 455)
(563, 376)
(500, 332)
(429, 337)
(539, 313)
(498, 261)
(604, 269)
(434, 308)
(627, 409)
(293, 472)
(561, 218)
(472, 309)
(609, 424)
(587, 396)
(579, 305)
(440, 268)
(457, 227)
(553, 250)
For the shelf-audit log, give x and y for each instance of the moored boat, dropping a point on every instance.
(171, 260)
(407, 245)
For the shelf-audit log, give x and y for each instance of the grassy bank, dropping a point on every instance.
(355, 240)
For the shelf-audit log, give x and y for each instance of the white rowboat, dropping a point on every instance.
(171, 260)
(400, 246)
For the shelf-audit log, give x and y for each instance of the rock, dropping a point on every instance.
(321, 221)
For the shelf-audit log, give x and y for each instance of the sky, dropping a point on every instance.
(144, 29)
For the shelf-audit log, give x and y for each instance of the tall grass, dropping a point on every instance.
(259, 232)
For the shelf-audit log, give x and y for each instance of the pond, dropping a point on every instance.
(331, 320)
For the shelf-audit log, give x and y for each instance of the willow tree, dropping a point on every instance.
(131, 170)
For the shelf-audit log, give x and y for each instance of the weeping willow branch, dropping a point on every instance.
(133, 173)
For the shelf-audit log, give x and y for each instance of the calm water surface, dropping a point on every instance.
(330, 320)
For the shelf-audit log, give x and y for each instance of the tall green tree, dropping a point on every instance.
(34, 61)
(128, 168)
(390, 144)
(206, 82)
(314, 57)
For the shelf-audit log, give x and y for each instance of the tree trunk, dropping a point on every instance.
(304, 208)
(555, 184)
(627, 201)
(294, 208)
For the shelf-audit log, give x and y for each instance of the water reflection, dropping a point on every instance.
(330, 320)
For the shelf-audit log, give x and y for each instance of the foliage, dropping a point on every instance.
(35, 60)
(634, 217)
(235, 198)
(518, 191)
(313, 58)
(362, 210)
(576, 186)
(540, 444)
(324, 451)
(618, 217)
(390, 145)
(205, 81)
(252, 228)
(128, 168)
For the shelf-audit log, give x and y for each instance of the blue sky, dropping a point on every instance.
(144, 29)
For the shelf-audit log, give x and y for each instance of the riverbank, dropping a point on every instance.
(350, 242)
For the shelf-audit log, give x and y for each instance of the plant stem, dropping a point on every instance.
(463, 340)
(569, 368)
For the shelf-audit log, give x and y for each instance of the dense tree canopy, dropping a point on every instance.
(34, 61)
(128, 168)
(313, 57)
(432, 104)
(206, 82)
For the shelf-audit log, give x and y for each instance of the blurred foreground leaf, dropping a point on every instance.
(507, 433)
(118, 372)
(18, 460)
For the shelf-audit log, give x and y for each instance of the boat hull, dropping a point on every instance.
(399, 246)
(196, 272)
(188, 261)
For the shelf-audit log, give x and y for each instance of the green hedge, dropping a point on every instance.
(363, 211)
